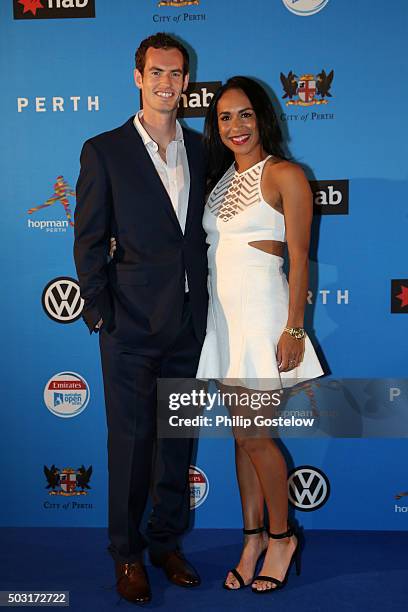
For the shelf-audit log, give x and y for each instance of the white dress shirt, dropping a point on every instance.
(174, 174)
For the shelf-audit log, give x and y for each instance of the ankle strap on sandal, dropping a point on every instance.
(280, 536)
(253, 531)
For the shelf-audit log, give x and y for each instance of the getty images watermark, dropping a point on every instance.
(345, 408)
(240, 405)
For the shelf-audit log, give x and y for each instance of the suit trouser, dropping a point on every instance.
(137, 460)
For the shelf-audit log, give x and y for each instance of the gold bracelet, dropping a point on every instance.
(296, 332)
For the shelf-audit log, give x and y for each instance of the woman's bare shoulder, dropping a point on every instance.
(283, 169)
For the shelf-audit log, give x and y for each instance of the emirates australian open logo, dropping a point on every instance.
(66, 394)
(198, 487)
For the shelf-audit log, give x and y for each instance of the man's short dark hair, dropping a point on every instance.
(161, 40)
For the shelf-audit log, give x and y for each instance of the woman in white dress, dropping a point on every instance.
(255, 338)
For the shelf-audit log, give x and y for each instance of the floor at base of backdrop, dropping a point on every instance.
(341, 570)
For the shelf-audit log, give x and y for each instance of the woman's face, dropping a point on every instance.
(237, 124)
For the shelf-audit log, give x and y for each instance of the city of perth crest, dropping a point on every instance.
(179, 3)
(67, 481)
(307, 89)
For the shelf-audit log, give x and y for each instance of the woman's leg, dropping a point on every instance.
(250, 490)
(270, 467)
(252, 501)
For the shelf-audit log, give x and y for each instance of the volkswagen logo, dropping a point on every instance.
(308, 488)
(62, 301)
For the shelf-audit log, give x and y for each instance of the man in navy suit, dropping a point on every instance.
(144, 183)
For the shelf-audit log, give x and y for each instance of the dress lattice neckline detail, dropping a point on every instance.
(236, 192)
(250, 167)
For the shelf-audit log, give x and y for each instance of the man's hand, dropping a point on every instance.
(98, 325)
(112, 247)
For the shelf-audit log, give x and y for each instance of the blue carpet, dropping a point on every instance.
(341, 571)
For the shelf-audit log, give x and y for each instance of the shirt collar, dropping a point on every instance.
(147, 139)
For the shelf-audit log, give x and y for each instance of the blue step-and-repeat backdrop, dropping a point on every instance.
(335, 71)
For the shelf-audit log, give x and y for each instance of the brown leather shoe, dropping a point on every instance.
(132, 582)
(178, 570)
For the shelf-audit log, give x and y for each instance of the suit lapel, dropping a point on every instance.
(147, 168)
(192, 165)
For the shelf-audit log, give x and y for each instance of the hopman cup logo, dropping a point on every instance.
(305, 8)
(61, 300)
(66, 394)
(308, 488)
(62, 191)
(198, 487)
(400, 507)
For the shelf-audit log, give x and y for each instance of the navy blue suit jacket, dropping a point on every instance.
(140, 294)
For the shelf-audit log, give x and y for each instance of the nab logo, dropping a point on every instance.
(53, 9)
(308, 488)
(330, 197)
(196, 100)
(61, 300)
(399, 296)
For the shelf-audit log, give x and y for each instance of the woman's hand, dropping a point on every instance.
(290, 352)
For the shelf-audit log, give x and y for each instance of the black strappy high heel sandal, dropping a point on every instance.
(294, 559)
(235, 572)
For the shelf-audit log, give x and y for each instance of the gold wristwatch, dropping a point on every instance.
(296, 332)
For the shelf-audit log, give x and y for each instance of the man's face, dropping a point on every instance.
(162, 81)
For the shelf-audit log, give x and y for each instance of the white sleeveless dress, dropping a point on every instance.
(248, 291)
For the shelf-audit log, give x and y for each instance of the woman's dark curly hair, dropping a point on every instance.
(219, 156)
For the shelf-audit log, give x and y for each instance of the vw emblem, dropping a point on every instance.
(308, 488)
(62, 301)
